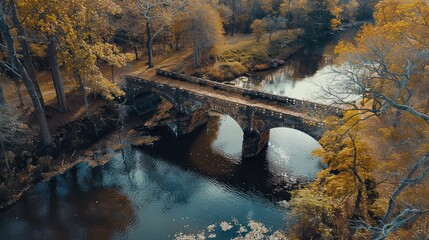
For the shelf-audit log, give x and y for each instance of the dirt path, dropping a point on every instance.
(135, 68)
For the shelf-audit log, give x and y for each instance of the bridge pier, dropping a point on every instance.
(254, 142)
(186, 123)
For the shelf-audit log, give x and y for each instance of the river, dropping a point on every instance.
(306, 72)
(181, 185)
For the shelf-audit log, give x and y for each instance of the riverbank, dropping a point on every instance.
(90, 140)
(242, 53)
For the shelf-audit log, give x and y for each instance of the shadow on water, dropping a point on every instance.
(182, 185)
(207, 153)
(70, 206)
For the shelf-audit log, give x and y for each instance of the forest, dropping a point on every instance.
(62, 90)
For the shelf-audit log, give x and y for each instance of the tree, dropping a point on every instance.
(47, 21)
(80, 29)
(295, 11)
(12, 130)
(130, 26)
(28, 58)
(19, 70)
(44, 19)
(388, 65)
(347, 181)
(157, 14)
(366, 9)
(179, 28)
(258, 28)
(205, 29)
(273, 24)
(319, 19)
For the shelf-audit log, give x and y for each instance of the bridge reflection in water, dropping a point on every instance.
(255, 112)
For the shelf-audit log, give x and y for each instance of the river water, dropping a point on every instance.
(182, 185)
(305, 73)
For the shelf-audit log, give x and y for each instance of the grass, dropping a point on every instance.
(243, 53)
(223, 71)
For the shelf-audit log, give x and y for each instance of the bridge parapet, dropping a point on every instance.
(318, 108)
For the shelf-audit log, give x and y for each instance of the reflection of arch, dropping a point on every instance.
(295, 129)
(237, 122)
(313, 130)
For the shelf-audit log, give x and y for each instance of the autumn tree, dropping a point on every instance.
(129, 26)
(319, 19)
(295, 11)
(43, 20)
(258, 28)
(179, 29)
(79, 29)
(205, 30)
(232, 6)
(388, 66)
(158, 15)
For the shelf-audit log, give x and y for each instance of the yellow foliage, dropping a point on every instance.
(335, 23)
(38, 50)
(79, 27)
(258, 28)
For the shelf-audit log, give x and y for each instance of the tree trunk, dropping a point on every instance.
(357, 211)
(113, 73)
(149, 44)
(40, 113)
(17, 86)
(3, 153)
(233, 18)
(28, 58)
(177, 45)
(196, 58)
(136, 52)
(56, 76)
(85, 97)
(2, 101)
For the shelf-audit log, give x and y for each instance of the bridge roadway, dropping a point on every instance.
(254, 111)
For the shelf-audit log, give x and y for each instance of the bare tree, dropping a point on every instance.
(158, 14)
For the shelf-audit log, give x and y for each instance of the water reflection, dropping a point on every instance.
(62, 209)
(305, 72)
(215, 152)
(182, 185)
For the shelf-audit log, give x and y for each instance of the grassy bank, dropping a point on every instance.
(243, 53)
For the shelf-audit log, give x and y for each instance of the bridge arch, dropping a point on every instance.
(230, 111)
(314, 130)
(162, 94)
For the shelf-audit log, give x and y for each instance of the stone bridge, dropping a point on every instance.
(256, 115)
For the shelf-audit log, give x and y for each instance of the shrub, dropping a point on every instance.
(261, 67)
(226, 71)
